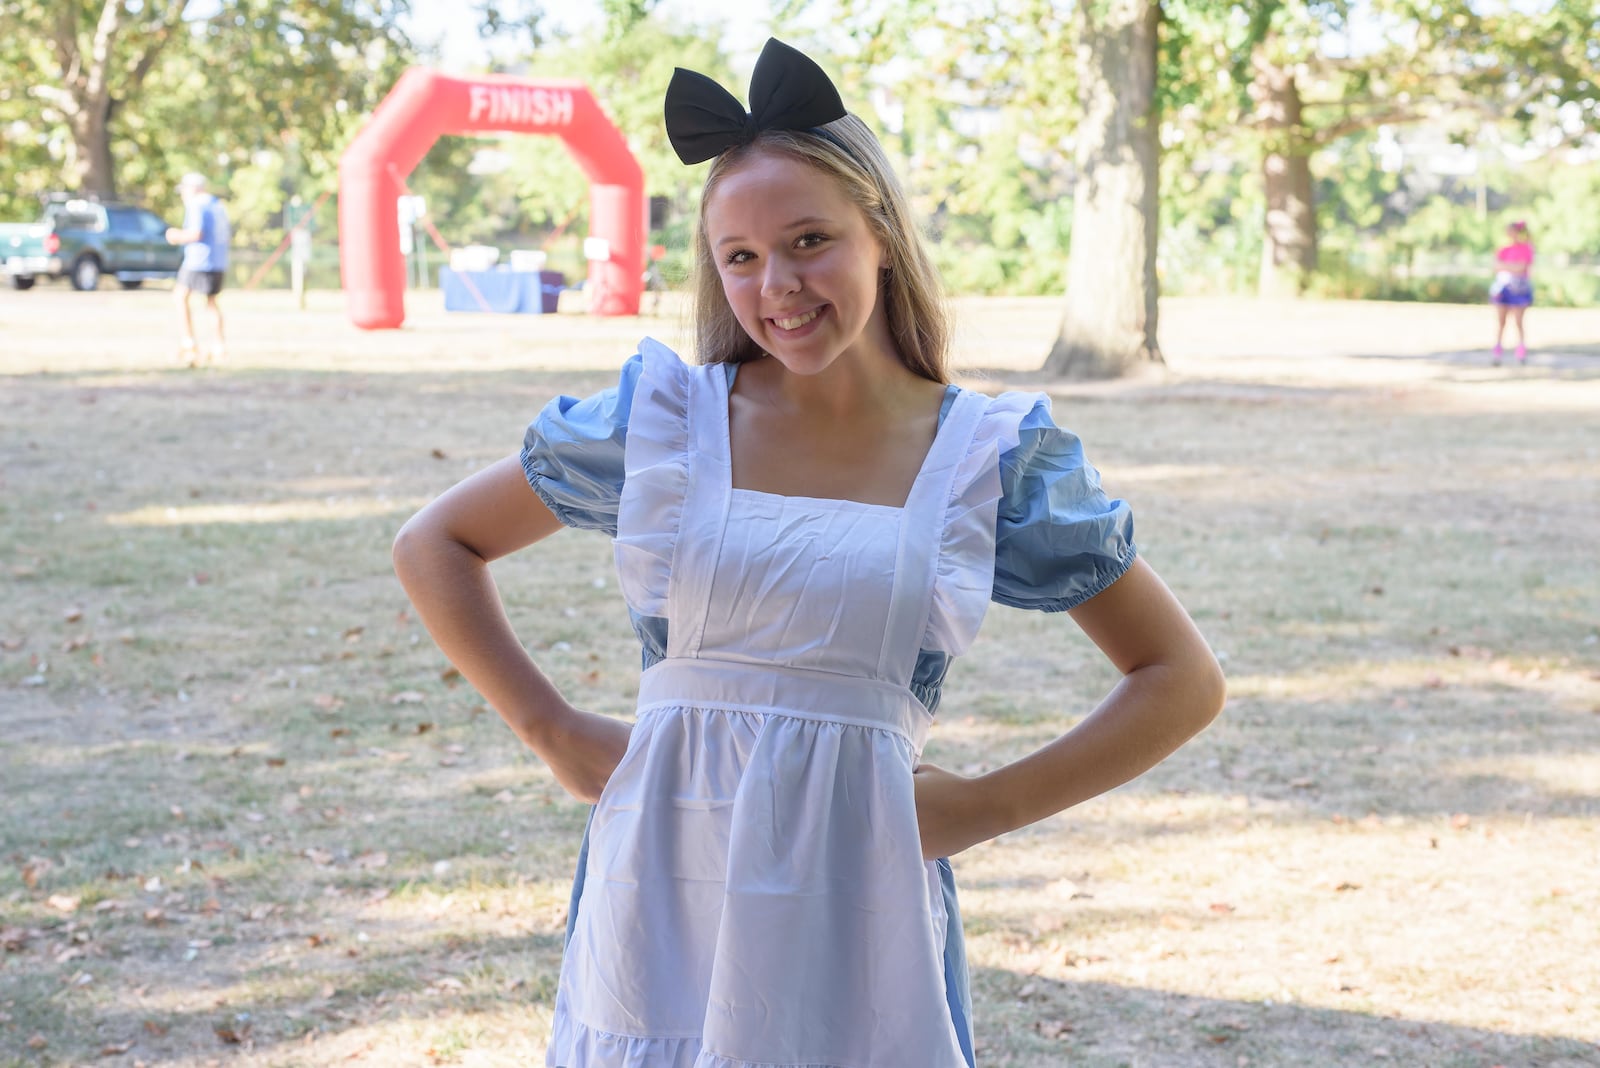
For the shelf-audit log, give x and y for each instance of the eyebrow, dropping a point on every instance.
(809, 220)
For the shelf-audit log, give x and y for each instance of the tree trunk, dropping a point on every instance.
(1289, 245)
(92, 167)
(1108, 328)
(84, 95)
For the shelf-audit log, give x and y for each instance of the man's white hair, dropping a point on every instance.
(192, 180)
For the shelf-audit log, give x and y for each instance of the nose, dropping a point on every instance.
(780, 277)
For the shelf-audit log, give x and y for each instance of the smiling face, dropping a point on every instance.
(798, 262)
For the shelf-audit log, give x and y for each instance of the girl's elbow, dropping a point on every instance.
(1211, 691)
(408, 547)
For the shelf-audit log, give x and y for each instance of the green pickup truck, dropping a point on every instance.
(84, 239)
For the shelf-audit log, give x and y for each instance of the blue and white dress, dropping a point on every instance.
(751, 892)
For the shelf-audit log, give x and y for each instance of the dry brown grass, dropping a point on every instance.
(249, 819)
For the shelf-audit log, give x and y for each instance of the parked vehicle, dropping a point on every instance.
(83, 239)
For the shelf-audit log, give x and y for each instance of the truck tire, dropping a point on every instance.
(130, 283)
(86, 273)
(22, 281)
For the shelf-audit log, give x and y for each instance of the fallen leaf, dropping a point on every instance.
(38, 1042)
(276, 762)
(115, 1049)
(232, 1034)
(407, 697)
(424, 728)
(63, 902)
(1053, 1028)
(438, 454)
(11, 645)
(1461, 821)
(72, 613)
(327, 701)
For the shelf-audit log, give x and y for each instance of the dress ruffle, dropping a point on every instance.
(657, 474)
(585, 1047)
(1059, 539)
(572, 1045)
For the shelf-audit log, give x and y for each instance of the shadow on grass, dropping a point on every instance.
(1022, 1020)
(1096, 1025)
(190, 1008)
(1564, 361)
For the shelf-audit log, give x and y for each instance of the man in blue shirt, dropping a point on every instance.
(205, 236)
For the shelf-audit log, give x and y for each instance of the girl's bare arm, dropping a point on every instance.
(442, 556)
(1171, 688)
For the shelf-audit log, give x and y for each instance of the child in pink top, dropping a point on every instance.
(1512, 290)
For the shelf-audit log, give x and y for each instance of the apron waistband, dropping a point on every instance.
(785, 691)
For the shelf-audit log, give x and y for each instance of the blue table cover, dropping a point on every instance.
(503, 290)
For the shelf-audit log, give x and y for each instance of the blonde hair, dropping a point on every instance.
(913, 297)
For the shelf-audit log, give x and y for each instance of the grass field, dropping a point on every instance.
(249, 817)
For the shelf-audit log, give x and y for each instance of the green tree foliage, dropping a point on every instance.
(123, 95)
(1281, 82)
(978, 129)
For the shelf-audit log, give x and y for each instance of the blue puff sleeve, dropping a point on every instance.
(572, 453)
(1059, 539)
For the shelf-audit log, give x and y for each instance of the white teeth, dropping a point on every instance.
(798, 321)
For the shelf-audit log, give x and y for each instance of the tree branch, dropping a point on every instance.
(51, 94)
(159, 36)
(1352, 124)
(105, 33)
(64, 36)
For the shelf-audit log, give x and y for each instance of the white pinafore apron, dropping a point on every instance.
(755, 894)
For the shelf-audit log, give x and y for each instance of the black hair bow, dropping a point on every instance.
(788, 91)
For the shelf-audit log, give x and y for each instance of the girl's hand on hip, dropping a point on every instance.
(582, 750)
(951, 813)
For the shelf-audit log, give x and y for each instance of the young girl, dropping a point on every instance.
(1512, 290)
(808, 527)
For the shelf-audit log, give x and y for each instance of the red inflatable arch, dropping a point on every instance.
(425, 105)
